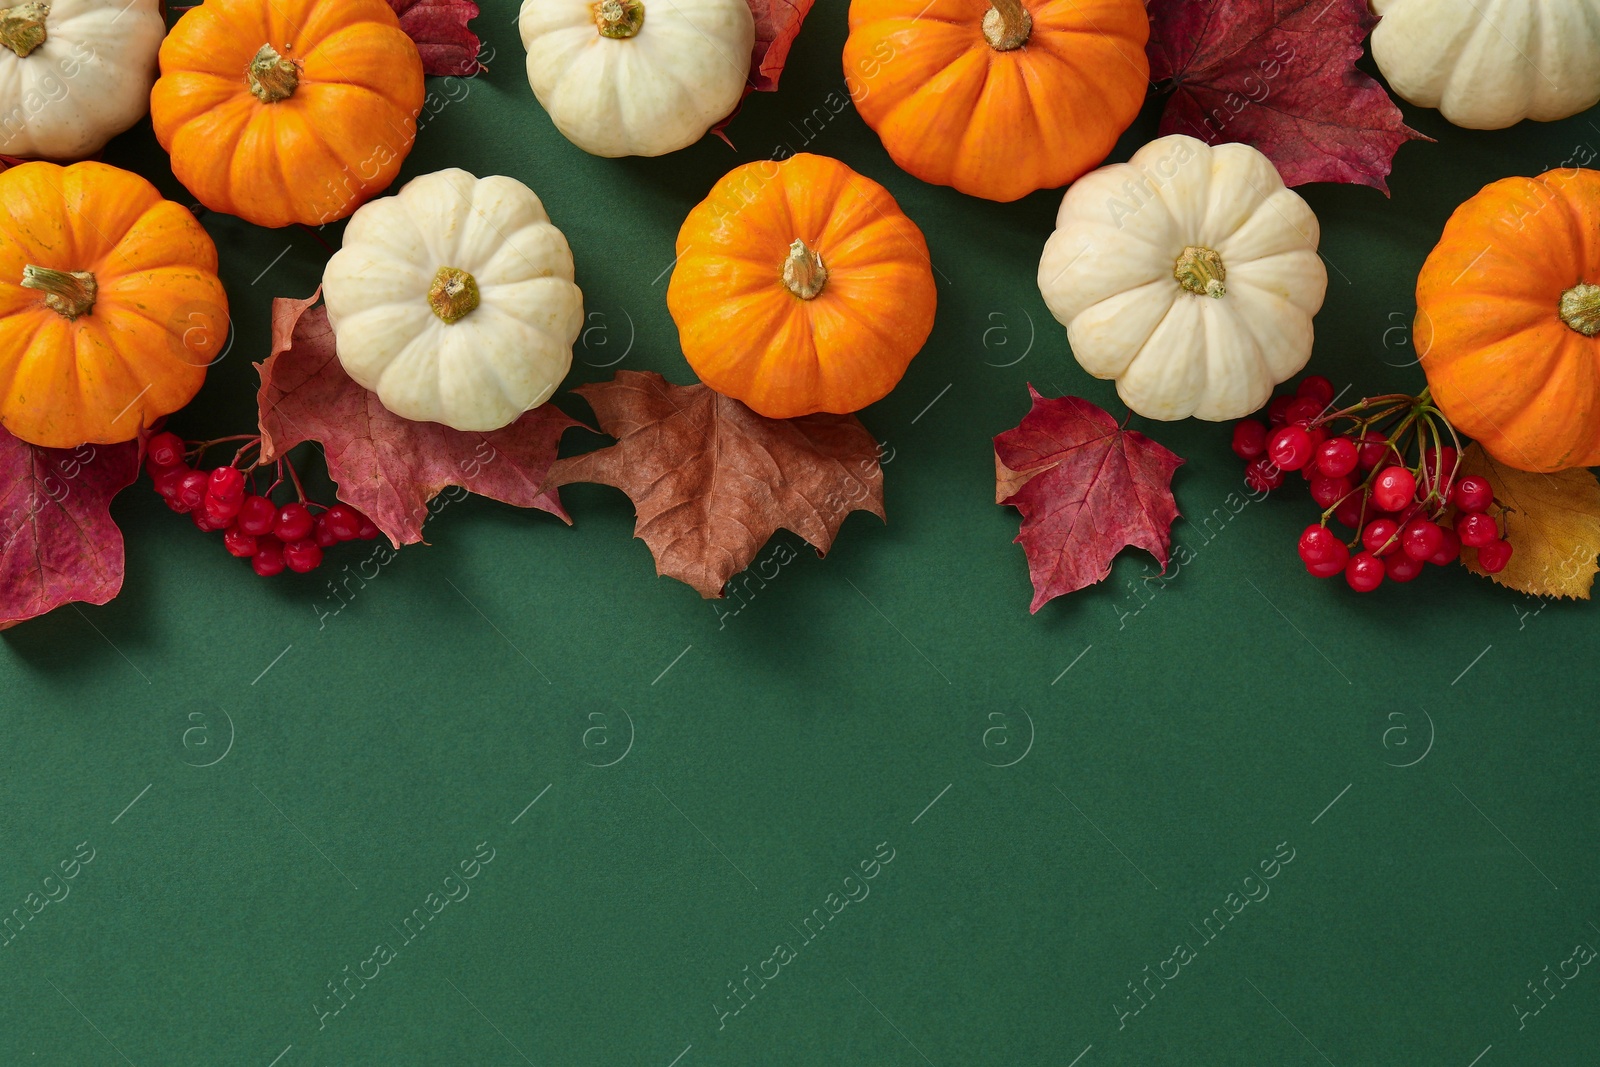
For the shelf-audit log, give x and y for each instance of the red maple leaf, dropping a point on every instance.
(711, 480)
(777, 25)
(389, 467)
(1279, 75)
(1086, 488)
(439, 28)
(57, 541)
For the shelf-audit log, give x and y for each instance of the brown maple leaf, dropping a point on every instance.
(387, 466)
(57, 541)
(711, 480)
(1279, 75)
(1086, 488)
(1552, 522)
(777, 25)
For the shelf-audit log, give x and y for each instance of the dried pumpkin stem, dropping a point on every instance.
(618, 19)
(1580, 308)
(453, 294)
(22, 27)
(1007, 25)
(272, 77)
(804, 272)
(69, 293)
(1200, 271)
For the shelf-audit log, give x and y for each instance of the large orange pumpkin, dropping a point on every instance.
(283, 111)
(1508, 320)
(110, 307)
(801, 287)
(999, 100)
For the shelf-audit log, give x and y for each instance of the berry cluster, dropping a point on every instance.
(272, 537)
(1381, 469)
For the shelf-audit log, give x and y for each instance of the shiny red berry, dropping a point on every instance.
(345, 521)
(226, 483)
(1337, 457)
(1249, 439)
(202, 521)
(1372, 447)
(1364, 572)
(168, 481)
(1494, 556)
(1399, 567)
(1449, 548)
(268, 559)
(192, 490)
(1318, 544)
(1277, 411)
(220, 512)
(238, 543)
(164, 450)
(369, 529)
(1329, 491)
(256, 515)
(1394, 488)
(1349, 512)
(1472, 493)
(293, 523)
(1380, 537)
(302, 556)
(323, 534)
(1290, 448)
(1329, 568)
(1421, 539)
(1476, 529)
(1260, 475)
(1301, 409)
(1316, 387)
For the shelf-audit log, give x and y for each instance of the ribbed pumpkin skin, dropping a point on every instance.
(313, 157)
(1501, 364)
(749, 337)
(953, 110)
(160, 317)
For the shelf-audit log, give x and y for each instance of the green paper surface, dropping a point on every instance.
(279, 781)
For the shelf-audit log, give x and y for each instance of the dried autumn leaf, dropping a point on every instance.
(387, 466)
(439, 28)
(1086, 489)
(1552, 522)
(1279, 75)
(777, 25)
(711, 480)
(57, 541)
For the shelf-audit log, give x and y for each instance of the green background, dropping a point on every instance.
(1104, 776)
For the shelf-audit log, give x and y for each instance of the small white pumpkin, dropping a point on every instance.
(74, 73)
(1188, 274)
(453, 300)
(1487, 65)
(637, 77)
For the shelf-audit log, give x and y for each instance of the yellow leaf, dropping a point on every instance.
(1552, 522)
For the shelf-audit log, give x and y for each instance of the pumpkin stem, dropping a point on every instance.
(1007, 25)
(618, 19)
(1580, 308)
(453, 294)
(1199, 270)
(272, 78)
(804, 272)
(22, 27)
(69, 293)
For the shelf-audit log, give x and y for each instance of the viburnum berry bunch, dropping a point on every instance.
(1388, 470)
(273, 537)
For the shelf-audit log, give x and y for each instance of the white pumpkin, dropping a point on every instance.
(453, 300)
(74, 73)
(1486, 64)
(1188, 274)
(637, 77)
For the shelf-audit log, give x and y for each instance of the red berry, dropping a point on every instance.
(1277, 410)
(302, 556)
(1290, 448)
(1329, 491)
(1301, 409)
(1394, 488)
(1316, 387)
(192, 490)
(1329, 568)
(1318, 544)
(1449, 548)
(238, 543)
(369, 529)
(202, 521)
(1439, 464)
(293, 523)
(168, 481)
(1349, 511)
(256, 515)
(323, 534)
(1476, 529)
(226, 483)
(345, 521)
(268, 559)
(1364, 572)
(1380, 537)
(1249, 440)
(220, 512)
(1372, 446)
(1494, 556)
(165, 450)
(1260, 475)
(1399, 567)
(1472, 493)
(1337, 458)
(1421, 539)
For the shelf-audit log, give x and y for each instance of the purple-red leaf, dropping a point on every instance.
(57, 541)
(439, 27)
(389, 467)
(1279, 75)
(1086, 488)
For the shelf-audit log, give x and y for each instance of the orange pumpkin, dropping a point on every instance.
(110, 307)
(800, 287)
(1508, 320)
(283, 111)
(999, 100)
